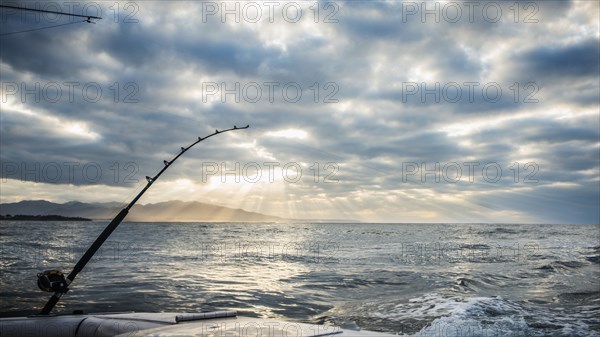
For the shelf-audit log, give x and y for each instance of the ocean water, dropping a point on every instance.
(407, 279)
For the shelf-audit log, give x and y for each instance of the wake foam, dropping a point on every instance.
(436, 315)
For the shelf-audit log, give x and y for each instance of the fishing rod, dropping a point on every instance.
(89, 17)
(54, 280)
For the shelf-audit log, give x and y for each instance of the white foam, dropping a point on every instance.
(461, 317)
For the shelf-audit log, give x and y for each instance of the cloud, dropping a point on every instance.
(337, 97)
(571, 62)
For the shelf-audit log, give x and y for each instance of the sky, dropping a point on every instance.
(378, 111)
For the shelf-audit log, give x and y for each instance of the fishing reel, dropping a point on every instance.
(52, 281)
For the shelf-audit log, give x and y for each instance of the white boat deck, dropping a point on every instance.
(213, 324)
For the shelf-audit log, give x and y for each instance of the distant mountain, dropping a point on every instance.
(69, 209)
(19, 217)
(164, 211)
(345, 221)
(195, 211)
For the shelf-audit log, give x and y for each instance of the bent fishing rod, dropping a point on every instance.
(55, 281)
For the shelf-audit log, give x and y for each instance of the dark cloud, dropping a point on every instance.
(571, 62)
